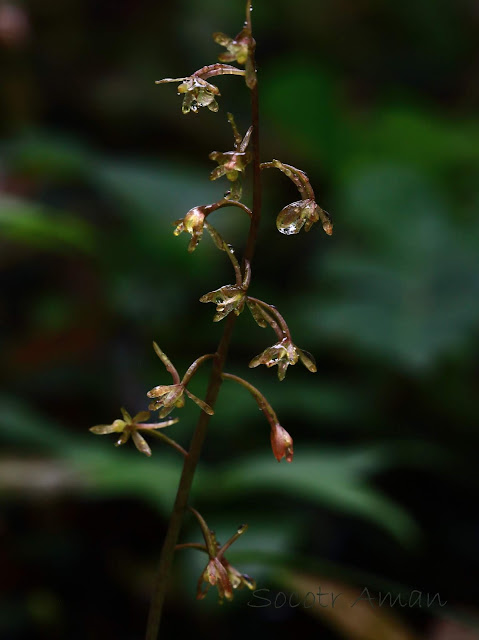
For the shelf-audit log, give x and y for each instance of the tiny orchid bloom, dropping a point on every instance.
(215, 574)
(239, 49)
(303, 213)
(218, 572)
(198, 93)
(232, 163)
(167, 396)
(171, 396)
(228, 298)
(283, 354)
(281, 443)
(130, 427)
(192, 223)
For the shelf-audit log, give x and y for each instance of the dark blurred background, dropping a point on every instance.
(377, 101)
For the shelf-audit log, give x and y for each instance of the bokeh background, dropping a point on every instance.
(377, 101)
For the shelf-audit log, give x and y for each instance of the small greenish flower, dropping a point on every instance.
(131, 427)
(283, 354)
(167, 397)
(192, 223)
(303, 213)
(227, 299)
(233, 163)
(239, 48)
(198, 93)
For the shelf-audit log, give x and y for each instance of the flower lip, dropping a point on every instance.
(227, 299)
(283, 354)
(130, 427)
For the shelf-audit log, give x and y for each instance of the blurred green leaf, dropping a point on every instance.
(329, 477)
(48, 155)
(406, 274)
(45, 228)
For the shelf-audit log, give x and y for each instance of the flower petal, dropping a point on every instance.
(126, 415)
(116, 427)
(206, 407)
(308, 360)
(140, 443)
(141, 416)
(158, 392)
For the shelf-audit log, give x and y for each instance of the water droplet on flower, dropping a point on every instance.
(289, 230)
(290, 220)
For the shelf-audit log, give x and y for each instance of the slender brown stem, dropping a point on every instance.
(166, 439)
(275, 312)
(191, 460)
(193, 368)
(269, 319)
(233, 538)
(263, 404)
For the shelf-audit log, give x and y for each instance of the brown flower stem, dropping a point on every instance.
(166, 439)
(218, 69)
(269, 319)
(227, 248)
(263, 404)
(227, 545)
(191, 460)
(193, 368)
(272, 309)
(234, 203)
(299, 178)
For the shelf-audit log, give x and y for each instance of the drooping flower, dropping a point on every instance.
(281, 443)
(131, 427)
(215, 575)
(283, 354)
(218, 572)
(198, 93)
(303, 213)
(192, 223)
(228, 298)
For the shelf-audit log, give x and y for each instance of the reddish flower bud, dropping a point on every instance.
(281, 443)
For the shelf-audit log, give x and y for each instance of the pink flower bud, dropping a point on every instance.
(281, 443)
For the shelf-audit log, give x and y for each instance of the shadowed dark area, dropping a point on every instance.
(377, 102)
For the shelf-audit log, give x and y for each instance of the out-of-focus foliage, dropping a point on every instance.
(378, 104)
